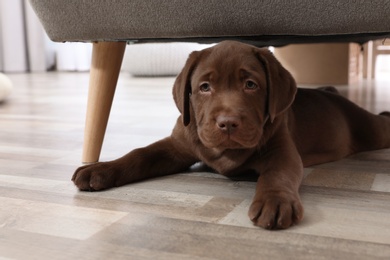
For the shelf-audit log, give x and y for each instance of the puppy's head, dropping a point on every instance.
(229, 91)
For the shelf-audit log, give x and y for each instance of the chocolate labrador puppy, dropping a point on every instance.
(241, 111)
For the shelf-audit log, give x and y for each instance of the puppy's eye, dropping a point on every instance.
(205, 87)
(250, 85)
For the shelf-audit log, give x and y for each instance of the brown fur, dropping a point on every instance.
(240, 111)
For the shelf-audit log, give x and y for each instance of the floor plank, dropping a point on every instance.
(194, 215)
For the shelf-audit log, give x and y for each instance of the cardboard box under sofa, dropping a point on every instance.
(321, 64)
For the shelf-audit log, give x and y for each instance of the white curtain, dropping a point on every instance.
(24, 45)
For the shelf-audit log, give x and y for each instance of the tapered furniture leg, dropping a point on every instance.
(106, 64)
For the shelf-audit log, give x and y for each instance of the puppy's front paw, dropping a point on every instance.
(95, 177)
(276, 210)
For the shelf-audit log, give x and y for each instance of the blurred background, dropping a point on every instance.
(24, 47)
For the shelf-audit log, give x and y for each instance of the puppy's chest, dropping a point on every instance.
(226, 162)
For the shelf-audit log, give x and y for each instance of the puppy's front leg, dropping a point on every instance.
(161, 158)
(276, 204)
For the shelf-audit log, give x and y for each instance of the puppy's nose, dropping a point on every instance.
(228, 123)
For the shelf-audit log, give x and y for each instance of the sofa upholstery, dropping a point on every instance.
(266, 22)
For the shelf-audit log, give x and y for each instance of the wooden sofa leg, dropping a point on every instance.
(106, 64)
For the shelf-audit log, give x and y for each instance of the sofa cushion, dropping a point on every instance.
(202, 20)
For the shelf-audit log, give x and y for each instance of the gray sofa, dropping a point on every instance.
(109, 24)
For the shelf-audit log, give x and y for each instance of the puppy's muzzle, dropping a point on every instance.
(228, 124)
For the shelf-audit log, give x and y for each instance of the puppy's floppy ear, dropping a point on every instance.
(281, 86)
(182, 87)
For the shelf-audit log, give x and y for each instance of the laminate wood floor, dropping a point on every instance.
(197, 215)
